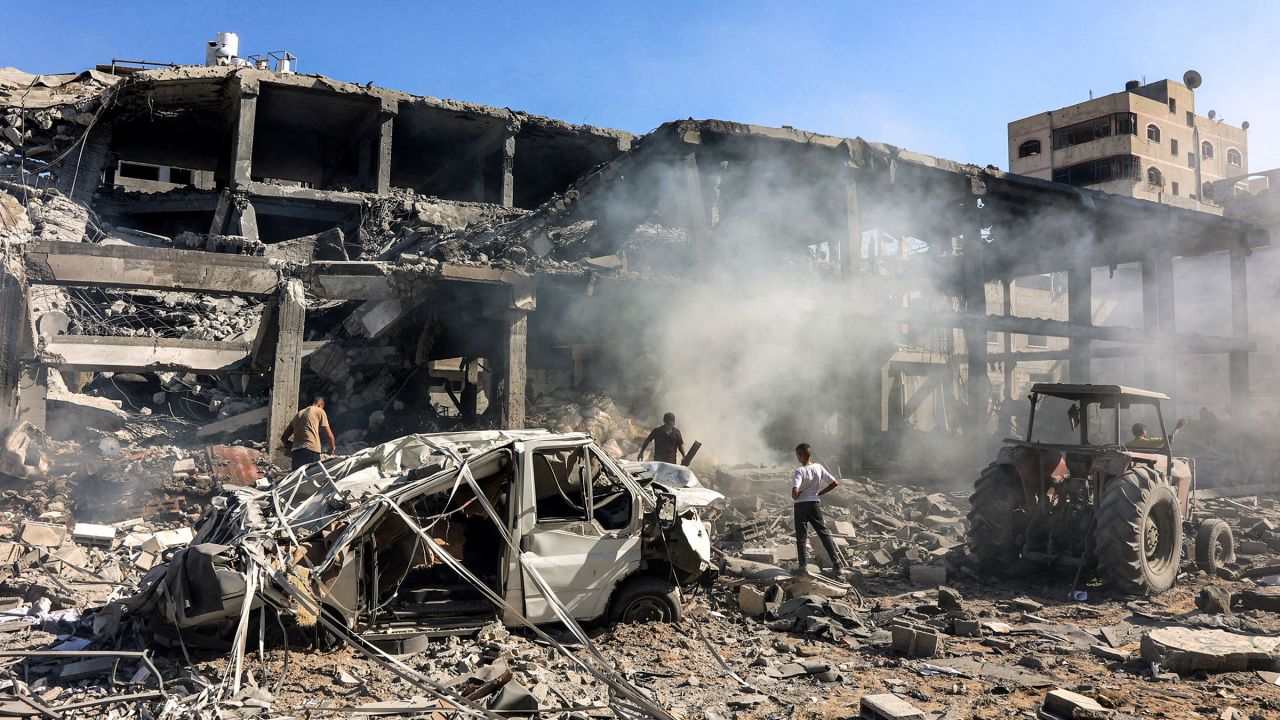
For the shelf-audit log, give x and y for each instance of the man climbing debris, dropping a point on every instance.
(809, 482)
(304, 433)
(666, 439)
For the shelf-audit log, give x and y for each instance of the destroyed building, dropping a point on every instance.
(279, 232)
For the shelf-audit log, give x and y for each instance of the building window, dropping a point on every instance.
(1191, 159)
(993, 338)
(1037, 341)
(1029, 148)
(1234, 158)
(1173, 106)
(1173, 147)
(1154, 177)
(1206, 150)
(1092, 172)
(1153, 133)
(1124, 123)
(1191, 119)
(1175, 187)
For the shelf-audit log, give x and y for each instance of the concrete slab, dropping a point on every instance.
(1184, 650)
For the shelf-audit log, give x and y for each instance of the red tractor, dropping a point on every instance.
(1076, 492)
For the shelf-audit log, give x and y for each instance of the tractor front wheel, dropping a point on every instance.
(1139, 533)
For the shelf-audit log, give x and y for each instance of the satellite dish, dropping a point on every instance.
(1192, 79)
(1213, 114)
(1244, 125)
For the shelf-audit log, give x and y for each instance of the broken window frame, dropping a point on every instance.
(1155, 177)
(1029, 148)
(1235, 158)
(1206, 150)
(1094, 172)
(1121, 123)
(1153, 132)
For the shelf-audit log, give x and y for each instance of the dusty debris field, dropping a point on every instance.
(975, 648)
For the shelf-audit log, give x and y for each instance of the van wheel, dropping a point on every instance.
(646, 599)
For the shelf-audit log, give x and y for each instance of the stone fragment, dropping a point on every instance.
(93, 534)
(1066, 704)
(1107, 653)
(1214, 600)
(750, 601)
(1265, 598)
(928, 575)
(888, 706)
(1186, 650)
(43, 534)
(949, 598)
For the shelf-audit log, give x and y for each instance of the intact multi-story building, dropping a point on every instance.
(1145, 142)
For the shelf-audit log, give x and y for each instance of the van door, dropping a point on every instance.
(578, 529)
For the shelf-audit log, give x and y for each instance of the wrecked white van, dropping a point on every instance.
(443, 533)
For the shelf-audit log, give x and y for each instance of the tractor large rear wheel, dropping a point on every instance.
(1139, 533)
(997, 522)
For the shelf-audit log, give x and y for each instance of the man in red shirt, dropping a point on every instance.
(666, 441)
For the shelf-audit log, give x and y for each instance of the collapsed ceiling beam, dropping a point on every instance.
(74, 263)
(84, 353)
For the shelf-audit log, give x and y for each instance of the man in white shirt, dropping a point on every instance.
(809, 482)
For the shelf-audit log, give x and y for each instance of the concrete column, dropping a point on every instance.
(1238, 361)
(1080, 312)
(515, 367)
(286, 376)
(382, 156)
(978, 385)
(242, 140)
(1010, 366)
(850, 242)
(15, 329)
(244, 219)
(508, 198)
(1158, 322)
(82, 182)
(695, 208)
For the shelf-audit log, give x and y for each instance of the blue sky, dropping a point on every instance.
(938, 77)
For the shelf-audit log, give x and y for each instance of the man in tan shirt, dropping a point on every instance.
(305, 430)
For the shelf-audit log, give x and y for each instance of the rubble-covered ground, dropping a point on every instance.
(755, 643)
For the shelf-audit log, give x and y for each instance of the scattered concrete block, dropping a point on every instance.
(888, 706)
(928, 575)
(1186, 650)
(966, 628)
(93, 534)
(1107, 653)
(1214, 600)
(165, 539)
(10, 552)
(916, 642)
(750, 601)
(43, 534)
(1066, 704)
(1026, 604)
(845, 528)
(949, 598)
(185, 465)
(1266, 599)
(880, 558)
(763, 555)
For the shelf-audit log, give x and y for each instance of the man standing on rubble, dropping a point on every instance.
(305, 428)
(666, 439)
(809, 482)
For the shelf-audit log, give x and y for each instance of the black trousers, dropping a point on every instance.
(303, 456)
(809, 514)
